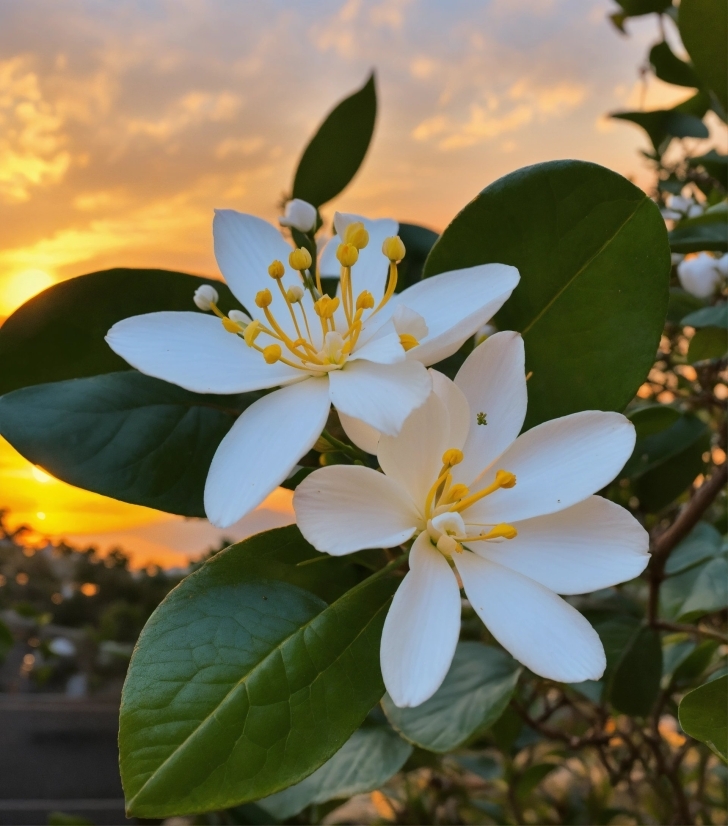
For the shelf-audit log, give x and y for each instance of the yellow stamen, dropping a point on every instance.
(356, 235)
(347, 255)
(393, 248)
(263, 298)
(231, 326)
(452, 457)
(407, 341)
(290, 307)
(503, 479)
(300, 259)
(252, 331)
(272, 353)
(500, 531)
(276, 270)
(442, 479)
(454, 493)
(215, 309)
(365, 301)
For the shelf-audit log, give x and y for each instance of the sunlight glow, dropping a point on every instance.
(18, 288)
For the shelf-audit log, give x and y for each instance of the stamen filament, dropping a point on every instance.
(283, 337)
(290, 307)
(503, 479)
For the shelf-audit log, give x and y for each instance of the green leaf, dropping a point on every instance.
(702, 543)
(240, 687)
(681, 303)
(59, 334)
(364, 763)
(124, 435)
(530, 778)
(703, 714)
(696, 591)
(418, 241)
(592, 252)
(475, 693)
(337, 150)
(703, 28)
(635, 681)
(667, 456)
(662, 124)
(670, 68)
(635, 8)
(708, 317)
(704, 232)
(715, 164)
(708, 343)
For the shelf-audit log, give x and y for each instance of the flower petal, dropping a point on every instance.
(539, 628)
(370, 271)
(591, 545)
(245, 246)
(194, 351)
(262, 447)
(557, 464)
(454, 305)
(457, 408)
(421, 629)
(493, 380)
(363, 435)
(382, 350)
(414, 456)
(343, 508)
(382, 395)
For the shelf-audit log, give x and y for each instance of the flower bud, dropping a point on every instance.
(300, 259)
(347, 255)
(263, 298)
(294, 294)
(700, 275)
(365, 301)
(271, 353)
(393, 248)
(205, 296)
(276, 270)
(356, 235)
(300, 215)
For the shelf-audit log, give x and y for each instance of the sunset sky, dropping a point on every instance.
(122, 125)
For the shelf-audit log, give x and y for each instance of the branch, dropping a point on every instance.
(694, 630)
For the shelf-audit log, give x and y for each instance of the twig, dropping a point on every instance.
(694, 630)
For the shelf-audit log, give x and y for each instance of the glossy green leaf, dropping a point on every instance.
(668, 454)
(670, 68)
(364, 763)
(418, 241)
(696, 591)
(337, 150)
(59, 334)
(702, 543)
(696, 662)
(635, 681)
(708, 317)
(240, 687)
(704, 232)
(663, 124)
(124, 435)
(703, 714)
(592, 252)
(708, 343)
(476, 691)
(703, 28)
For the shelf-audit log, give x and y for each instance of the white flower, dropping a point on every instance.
(514, 517)
(701, 274)
(344, 351)
(679, 208)
(205, 296)
(300, 215)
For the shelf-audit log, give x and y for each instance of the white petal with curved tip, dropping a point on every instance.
(370, 271)
(539, 628)
(557, 464)
(382, 350)
(493, 380)
(457, 408)
(421, 629)
(382, 395)
(262, 447)
(194, 351)
(343, 508)
(363, 435)
(454, 305)
(591, 545)
(414, 456)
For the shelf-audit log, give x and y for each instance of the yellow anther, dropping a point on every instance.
(356, 235)
(276, 270)
(365, 301)
(502, 530)
(272, 353)
(300, 259)
(347, 254)
(505, 479)
(393, 248)
(452, 457)
(252, 331)
(263, 298)
(457, 492)
(325, 307)
(294, 294)
(407, 341)
(232, 326)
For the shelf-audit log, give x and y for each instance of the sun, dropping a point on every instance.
(18, 288)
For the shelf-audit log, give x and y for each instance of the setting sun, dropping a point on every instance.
(21, 286)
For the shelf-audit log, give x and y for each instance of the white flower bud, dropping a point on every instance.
(700, 275)
(205, 296)
(484, 332)
(722, 265)
(694, 210)
(300, 215)
(240, 317)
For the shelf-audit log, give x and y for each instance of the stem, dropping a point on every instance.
(349, 450)
(694, 630)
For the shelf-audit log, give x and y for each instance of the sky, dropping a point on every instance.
(123, 125)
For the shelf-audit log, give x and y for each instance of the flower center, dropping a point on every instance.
(446, 501)
(329, 350)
